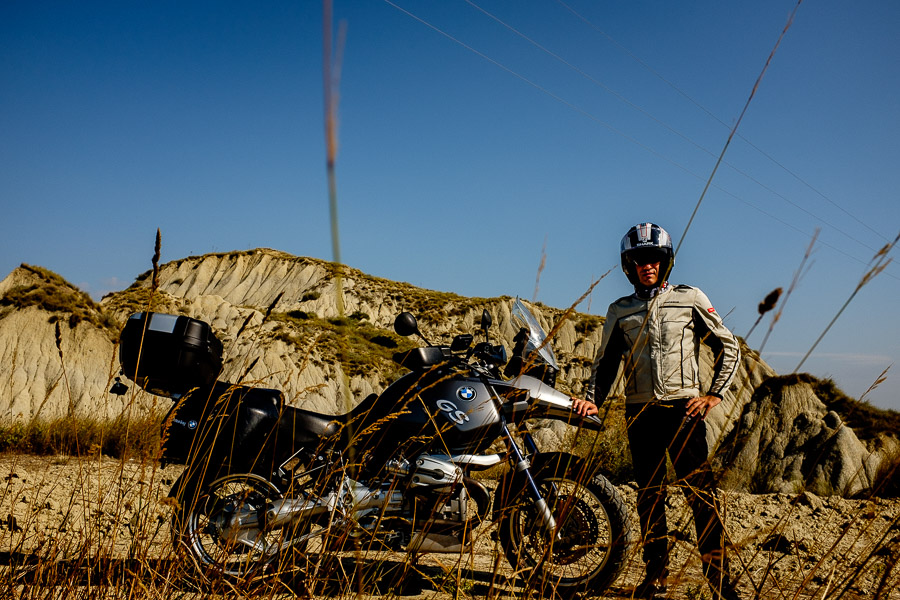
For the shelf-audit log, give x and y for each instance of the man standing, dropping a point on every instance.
(657, 332)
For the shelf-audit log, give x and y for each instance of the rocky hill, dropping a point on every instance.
(281, 326)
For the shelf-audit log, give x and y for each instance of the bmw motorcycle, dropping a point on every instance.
(268, 486)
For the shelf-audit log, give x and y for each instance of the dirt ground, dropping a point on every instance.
(97, 528)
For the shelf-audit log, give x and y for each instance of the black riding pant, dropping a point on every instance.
(656, 429)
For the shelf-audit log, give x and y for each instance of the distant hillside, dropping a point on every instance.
(59, 353)
(277, 315)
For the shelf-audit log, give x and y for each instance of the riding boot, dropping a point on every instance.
(715, 569)
(724, 590)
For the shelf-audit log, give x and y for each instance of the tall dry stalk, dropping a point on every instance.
(798, 274)
(157, 247)
(737, 124)
(154, 287)
(878, 381)
(567, 314)
(332, 75)
(543, 263)
(249, 363)
(765, 306)
(57, 338)
(878, 264)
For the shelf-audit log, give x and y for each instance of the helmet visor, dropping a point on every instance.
(646, 256)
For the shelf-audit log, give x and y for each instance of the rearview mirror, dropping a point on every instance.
(406, 325)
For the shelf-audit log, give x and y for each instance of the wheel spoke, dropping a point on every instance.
(217, 544)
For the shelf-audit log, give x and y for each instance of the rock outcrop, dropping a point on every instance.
(57, 351)
(787, 440)
(276, 314)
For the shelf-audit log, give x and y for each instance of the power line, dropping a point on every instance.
(533, 84)
(606, 125)
(690, 99)
(683, 136)
(737, 124)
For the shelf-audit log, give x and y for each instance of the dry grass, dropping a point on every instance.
(55, 295)
(607, 449)
(361, 348)
(99, 528)
(84, 436)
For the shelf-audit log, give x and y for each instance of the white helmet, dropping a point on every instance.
(645, 243)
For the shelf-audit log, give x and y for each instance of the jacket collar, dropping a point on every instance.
(650, 293)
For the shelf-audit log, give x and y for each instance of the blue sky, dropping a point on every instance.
(472, 134)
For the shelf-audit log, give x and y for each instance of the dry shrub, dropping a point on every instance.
(886, 483)
(82, 436)
(607, 450)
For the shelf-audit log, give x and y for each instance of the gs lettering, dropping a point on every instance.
(452, 411)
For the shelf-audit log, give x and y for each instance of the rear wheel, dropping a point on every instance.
(589, 549)
(210, 534)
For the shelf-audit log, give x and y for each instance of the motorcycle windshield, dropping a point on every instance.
(537, 338)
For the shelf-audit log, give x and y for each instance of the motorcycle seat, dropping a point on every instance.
(309, 426)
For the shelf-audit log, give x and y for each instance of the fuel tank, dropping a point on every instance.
(442, 410)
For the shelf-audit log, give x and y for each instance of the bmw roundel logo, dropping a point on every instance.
(466, 393)
(192, 424)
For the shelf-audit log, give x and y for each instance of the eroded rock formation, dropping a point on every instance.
(279, 320)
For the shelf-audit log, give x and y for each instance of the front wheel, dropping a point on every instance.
(592, 536)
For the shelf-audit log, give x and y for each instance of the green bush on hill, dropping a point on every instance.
(360, 347)
(54, 294)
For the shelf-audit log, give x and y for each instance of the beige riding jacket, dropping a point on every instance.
(659, 341)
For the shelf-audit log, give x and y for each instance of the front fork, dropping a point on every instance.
(522, 464)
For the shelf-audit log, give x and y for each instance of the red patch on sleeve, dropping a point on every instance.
(711, 309)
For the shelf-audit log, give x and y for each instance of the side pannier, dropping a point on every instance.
(218, 424)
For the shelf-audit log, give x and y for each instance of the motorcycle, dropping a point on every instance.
(268, 485)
